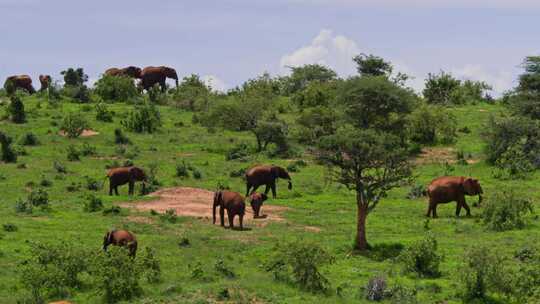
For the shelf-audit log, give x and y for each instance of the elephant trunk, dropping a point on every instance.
(144, 187)
(176, 80)
(217, 197)
(290, 185)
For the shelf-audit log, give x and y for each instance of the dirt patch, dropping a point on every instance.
(85, 133)
(140, 219)
(437, 155)
(198, 203)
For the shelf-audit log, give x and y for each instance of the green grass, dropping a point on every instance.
(312, 202)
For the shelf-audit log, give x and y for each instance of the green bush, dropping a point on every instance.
(223, 269)
(113, 88)
(416, 191)
(92, 203)
(73, 124)
(29, 139)
(192, 94)
(73, 154)
(375, 289)
(506, 211)
(79, 94)
(432, 125)
(239, 151)
(422, 258)
(150, 265)
(103, 113)
(120, 138)
(59, 167)
(15, 110)
(143, 119)
(313, 123)
(38, 198)
(182, 170)
(23, 206)
(196, 174)
(514, 163)
(8, 154)
(88, 150)
(169, 216)
(10, 227)
(299, 262)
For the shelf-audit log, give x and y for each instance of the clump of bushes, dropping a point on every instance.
(239, 151)
(143, 119)
(432, 125)
(73, 154)
(183, 168)
(416, 191)
(506, 211)
(223, 269)
(59, 167)
(113, 88)
(29, 139)
(422, 257)
(8, 154)
(88, 150)
(238, 173)
(299, 263)
(103, 113)
(153, 183)
(10, 227)
(375, 289)
(169, 216)
(73, 124)
(15, 110)
(120, 138)
(92, 203)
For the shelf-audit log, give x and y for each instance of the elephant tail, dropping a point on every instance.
(217, 201)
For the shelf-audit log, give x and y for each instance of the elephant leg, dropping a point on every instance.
(434, 210)
(248, 187)
(466, 208)
(230, 215)
(430, 206)
(458, 208)
(273, 187)
(241, 219)
(111, 186)
(222, 215)
(131, 186)
(116, 189)
(266, 190)
(163, 86)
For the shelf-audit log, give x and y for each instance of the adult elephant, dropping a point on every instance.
(235, 205)
(121, 238)
(130, 71)
(19, 82)
(452, 188)
(45, 81)
(265, 175)
(125, 175)
(152, 75)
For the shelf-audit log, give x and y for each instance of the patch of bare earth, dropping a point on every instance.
(85, 133)
(140, 219)
(198, 203)
(438, 155)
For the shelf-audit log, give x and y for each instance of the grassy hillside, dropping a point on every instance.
(313, 202)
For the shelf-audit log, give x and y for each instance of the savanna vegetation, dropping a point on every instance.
(353, 229)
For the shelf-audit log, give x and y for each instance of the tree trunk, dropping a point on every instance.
(361, 240)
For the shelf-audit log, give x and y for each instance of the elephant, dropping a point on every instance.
(452, 188)
(233, 202)
(121, 238)
(265, 175)
(152, 75)
(256, 201)
(130, 71)
(45, 81)
(19, 82)
(123, 175)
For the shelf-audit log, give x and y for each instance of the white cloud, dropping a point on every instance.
(327, 49)
(499, 80)
(215, 83)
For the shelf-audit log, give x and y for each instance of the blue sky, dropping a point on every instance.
(233, 40)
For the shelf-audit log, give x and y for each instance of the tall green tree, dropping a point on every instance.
(302, 76)
(371, 65)
(74, 77)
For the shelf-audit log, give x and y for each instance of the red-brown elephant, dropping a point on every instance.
(130, 71)
(45, 81)
(124, 175)
(152, 75)
(256, 201)
(19, 82)
(265, 175)
(235, 205)
(121, 238)
(452, 188)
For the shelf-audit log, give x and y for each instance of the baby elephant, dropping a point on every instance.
(121, 238)
(233, 202)
(125, 175)
(256, 201)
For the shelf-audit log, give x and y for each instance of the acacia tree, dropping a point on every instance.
(368, 162)
(371, 65)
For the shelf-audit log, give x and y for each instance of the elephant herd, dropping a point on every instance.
(149, 76)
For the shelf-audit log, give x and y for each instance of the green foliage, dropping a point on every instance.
(29, 139)
(73, 154)
(10, 227)
(79, 94)
(223, 269)
(23, 206)
(74, 77)
(302, 76)
(375, 289)
(8, 154)
(431, 125)
(314, 123)
(59, 167)
(416, 191)
(116, 275)
(92, 203)
(182, 170)
(315, 94)
(103, 113)
(120, 138)
(113, 88)
(272, 131)
(371, 65)
(73, 124)
(150, 265)
(422, 257)
(444, 89)
(39, 198)
(299, 262)
(152, 183)
(144, 118)
(193, 94)
(506, 211)
(15, 110)
(169, 216)
(239, 151)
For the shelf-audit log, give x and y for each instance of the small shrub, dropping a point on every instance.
(74, 124)
(292, 168)
(38, 198)
(113, 210)
(103, 113)
(88, 150)
(506, 211)
(150, 265)
(8, 154)
(92, 184)
(169, 216)
(120, 138)
(224, 269)
(9, 227)
(23, 206)
(417, 191)
(422, 258)
(464, 130)
(402, 295)
(238, 173)
(197, 174)
(375, 290)
(73, 187)
(29, 139)
(143, 119)
(240, 151)
(45, 182)
(184, 242)
(59, 167)
(515, 163)
(92, 203)
(114, 88)
(299, 262)
(182, 170)
(16, 111)
(73, 154)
